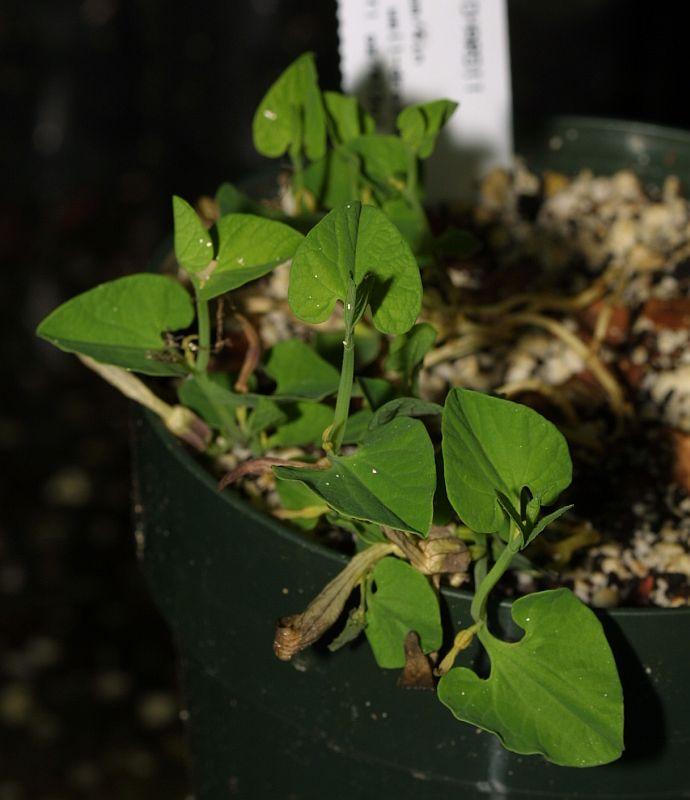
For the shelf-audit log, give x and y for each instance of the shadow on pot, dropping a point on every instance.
(645, 728)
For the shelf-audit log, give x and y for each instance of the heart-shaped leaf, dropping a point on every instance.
(419, 125)
(249, 247)
(555, 692)
(389, 480)
(291, 115)
(493, 446)
(300, 372)
(399, 600)
(193, 244)
(355, 242)
(122, 322)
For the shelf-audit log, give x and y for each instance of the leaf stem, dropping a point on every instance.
(204, 328)
(412, 176)
(297, 179)
(481, 594)
(481, 564)
(462, 641)
(181, 421)
(334, 436)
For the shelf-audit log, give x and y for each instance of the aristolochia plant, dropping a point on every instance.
(376, 472)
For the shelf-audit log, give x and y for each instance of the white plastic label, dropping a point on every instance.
(396, 52)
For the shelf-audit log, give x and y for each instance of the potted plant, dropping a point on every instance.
(428, 496)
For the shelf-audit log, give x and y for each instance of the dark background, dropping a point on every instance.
(107, 108)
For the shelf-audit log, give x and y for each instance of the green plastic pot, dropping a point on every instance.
(336, 726)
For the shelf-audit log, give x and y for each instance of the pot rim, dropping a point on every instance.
(606, 124)
(236, 502)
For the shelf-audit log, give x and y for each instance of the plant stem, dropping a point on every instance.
(412, 176)
(297, 178)
(481, 594)
(334, 437)
(480, 565)
(462, 641)
(204, 327)
(181, 421)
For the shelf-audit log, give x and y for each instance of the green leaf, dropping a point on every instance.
(300, 372)
(366, 533)
(384, 158)
(190, 394)
(266, 414)
(411, 221)
(314, 176)
(338, 178)
(354, 625)
(354, 242)
(420, 124)
(403, 407)
(291, 115)
(510, 510)
(249, 247)
(347, 118)
(376, 391)
(389, 480)
(492, 445)
(214, 393)
(407, 352)
(399, 600)
(232, 201)
(122, 322)
(305, 424)
(296, 496)
(356, 426)
(193, 244)
(555, 692)
(545, 521)
(362, 298)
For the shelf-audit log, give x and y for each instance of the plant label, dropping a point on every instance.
(397, 52)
